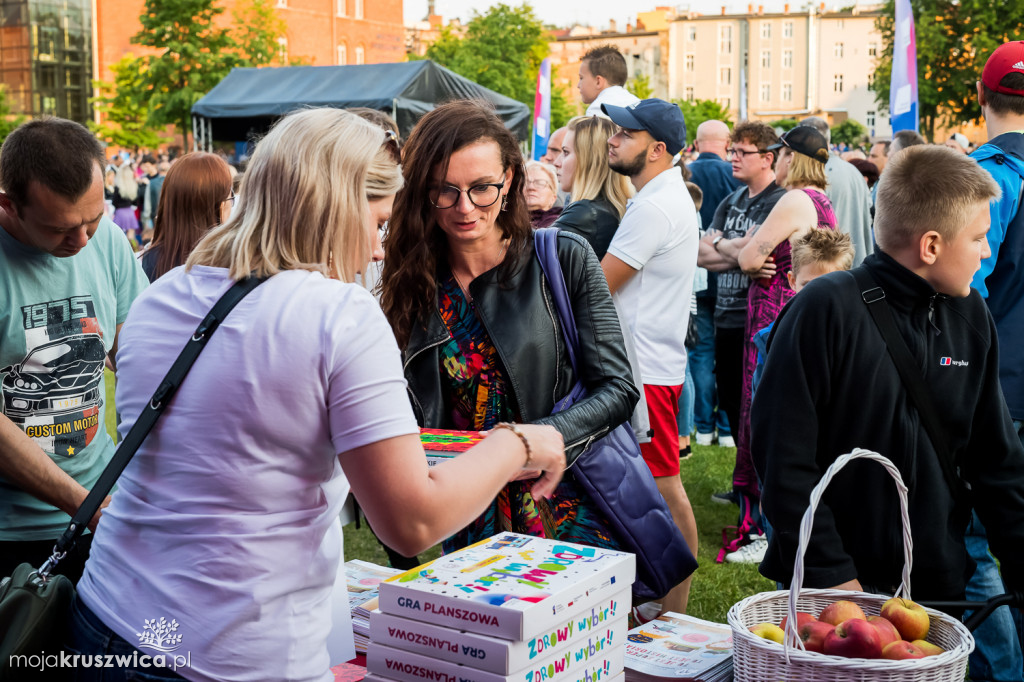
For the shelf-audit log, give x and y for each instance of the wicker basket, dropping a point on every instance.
(757, 659)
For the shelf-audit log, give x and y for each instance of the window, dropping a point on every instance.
(282, 3)
(871, 80)
(870, 119)
(689, 62)
(766, 59)
(342, 55)
(342, 9)
(359, 12)
(837, 82)
(766, 92)
(842, 24)
(689, 94)
(726, 76)
(787, 92)
(726, 103)
(787, 59)
(725, 40)
(766, 30)
(282, 50)
(838, 50)
(691, 33)
(360, 56)
(787, 29)
(872, 49)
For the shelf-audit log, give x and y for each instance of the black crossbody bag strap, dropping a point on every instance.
(874, 296)
(144, 424)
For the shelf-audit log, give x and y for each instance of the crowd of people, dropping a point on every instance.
(407, 293)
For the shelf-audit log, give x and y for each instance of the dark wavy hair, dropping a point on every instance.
(415, 246)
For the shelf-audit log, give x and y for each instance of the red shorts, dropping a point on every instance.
(662, 453)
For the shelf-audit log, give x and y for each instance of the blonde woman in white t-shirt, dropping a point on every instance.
(225, 522)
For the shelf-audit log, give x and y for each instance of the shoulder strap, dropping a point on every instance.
(161, 397)
(874, 296)
(545, 242)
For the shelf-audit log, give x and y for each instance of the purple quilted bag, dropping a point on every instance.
(614, 474)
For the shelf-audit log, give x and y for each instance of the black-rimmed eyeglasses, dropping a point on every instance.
(481, 196)
(732, 151)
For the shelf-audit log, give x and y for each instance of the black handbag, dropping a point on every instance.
(35, 605)
(613, 472)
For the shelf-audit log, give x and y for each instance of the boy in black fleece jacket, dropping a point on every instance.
(830, 386)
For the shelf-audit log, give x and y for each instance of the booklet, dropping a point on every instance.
(679, 647)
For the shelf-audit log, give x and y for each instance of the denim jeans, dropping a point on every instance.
(701, 362)
(685, 418)
(89, 637)
(997, 656)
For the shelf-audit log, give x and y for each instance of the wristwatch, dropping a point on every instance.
(714, 242)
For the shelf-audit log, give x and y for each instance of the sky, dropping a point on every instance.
(584, 12)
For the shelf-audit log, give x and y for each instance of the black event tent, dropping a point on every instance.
(248, 101)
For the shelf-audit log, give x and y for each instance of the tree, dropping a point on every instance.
(640, 85)
(124, 104)
(784, 124)
(700, 110)
(954, 39)
(8, 122)
(502, 50)
(849, 132)
(257, 32)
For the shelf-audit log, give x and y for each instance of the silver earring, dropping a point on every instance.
(504, 202)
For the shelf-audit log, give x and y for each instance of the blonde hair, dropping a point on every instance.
(303, 202)
(125, 182)
(925, 188)
(594, 178)
(824, 247)
(805, 171)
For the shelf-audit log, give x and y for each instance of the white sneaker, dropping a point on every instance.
(705, 438)
(750, 553)
(726, 442)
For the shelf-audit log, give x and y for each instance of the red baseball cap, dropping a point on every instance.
(1008, 58)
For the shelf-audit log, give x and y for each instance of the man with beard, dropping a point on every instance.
(650, 266)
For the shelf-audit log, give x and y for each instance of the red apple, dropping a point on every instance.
(769, 631)
(928, 648)
(910, 619)
(901, 650)
(801, 620)
(814, 634)
(887, 632)
(854, 638)
(840, 612)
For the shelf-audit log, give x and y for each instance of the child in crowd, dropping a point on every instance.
(830, 385)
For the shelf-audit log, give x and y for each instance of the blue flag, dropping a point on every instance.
(542, 111)
(903, 88)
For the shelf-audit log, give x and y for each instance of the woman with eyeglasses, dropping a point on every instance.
(196, 196)
(223, 533)
(598, 194)
(472, 313)
(541, 194)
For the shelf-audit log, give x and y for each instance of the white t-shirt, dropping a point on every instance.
(225, 520)
(658, 236)
(615, 95)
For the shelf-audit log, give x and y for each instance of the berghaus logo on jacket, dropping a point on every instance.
(947, 361)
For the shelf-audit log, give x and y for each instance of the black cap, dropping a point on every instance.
(806, 140)
(663, 120)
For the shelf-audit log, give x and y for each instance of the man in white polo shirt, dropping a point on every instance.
(650, 266)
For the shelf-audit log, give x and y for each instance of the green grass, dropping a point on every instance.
(715, 587)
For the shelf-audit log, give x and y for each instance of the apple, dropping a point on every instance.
(841, 611)
(910, 619)
(928, 648)
(901, 650)
(769, 631)
(887, 632)
(802, 619)
(813, 635)
(854, 638)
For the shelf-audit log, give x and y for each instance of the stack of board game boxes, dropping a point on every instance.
(512, 607)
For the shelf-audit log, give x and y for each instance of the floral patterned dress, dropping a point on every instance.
(477, 398)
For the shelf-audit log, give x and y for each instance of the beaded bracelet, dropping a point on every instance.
(522, 436)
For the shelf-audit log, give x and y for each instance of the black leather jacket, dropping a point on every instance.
(521, 320)
(594, 219)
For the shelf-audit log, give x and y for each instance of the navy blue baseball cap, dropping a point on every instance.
(663, 120)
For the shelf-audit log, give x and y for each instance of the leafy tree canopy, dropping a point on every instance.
(8, 122)
(784, 124)
(124, 104)
(640, 85)
(849, 132)
(700, 110)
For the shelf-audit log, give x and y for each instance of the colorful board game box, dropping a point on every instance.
(493, 654)
(599, 656)
(509, 586)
